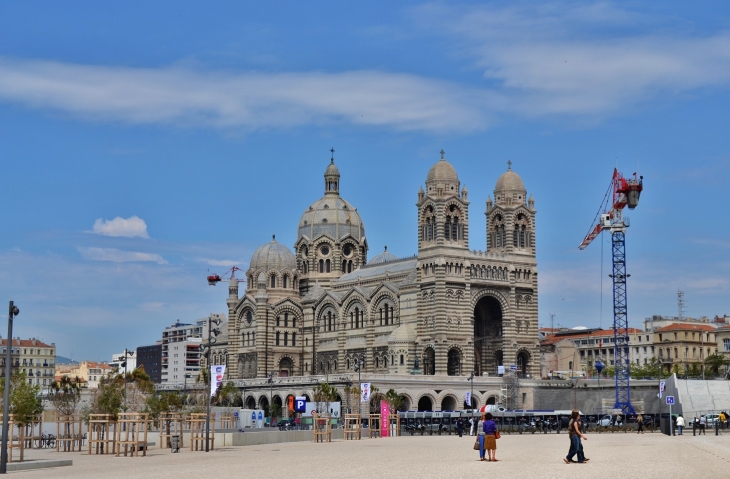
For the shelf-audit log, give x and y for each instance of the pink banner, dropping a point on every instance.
(384, 412)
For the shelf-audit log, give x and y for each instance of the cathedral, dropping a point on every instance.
(324, 308)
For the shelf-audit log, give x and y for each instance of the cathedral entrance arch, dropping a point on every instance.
(487, 334)
(286, 367)
(250, 402)
(264, 405)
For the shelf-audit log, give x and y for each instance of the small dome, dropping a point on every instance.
(383, 257)
(274, 256)
(509, 181)
(442, 171)
(332, 169)
(403, 334)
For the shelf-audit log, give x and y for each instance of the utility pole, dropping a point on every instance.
(12, 312)
(212, 333)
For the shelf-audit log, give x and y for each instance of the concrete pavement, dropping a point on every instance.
(627, 456)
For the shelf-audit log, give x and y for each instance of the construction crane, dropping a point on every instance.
(622, 192)
(214, 279)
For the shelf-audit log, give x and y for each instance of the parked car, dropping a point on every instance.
(610, 420)
(711, 419)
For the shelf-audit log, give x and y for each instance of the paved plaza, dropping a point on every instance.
(651, 455)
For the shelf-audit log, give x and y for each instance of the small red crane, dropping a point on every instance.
(214, 279)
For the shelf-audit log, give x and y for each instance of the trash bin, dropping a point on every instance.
(175, 443)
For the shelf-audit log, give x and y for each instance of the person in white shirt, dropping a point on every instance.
(471, 423)
(680, 425)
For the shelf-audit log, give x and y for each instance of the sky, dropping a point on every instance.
(145, 145)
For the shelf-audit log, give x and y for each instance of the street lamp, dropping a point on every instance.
(471, 396)
(270, 380)
(124, 364)
(212, 333)
(12, 312)
(359, 362)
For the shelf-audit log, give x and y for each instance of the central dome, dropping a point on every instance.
(274, 256)
(383, 257)
(331, 216)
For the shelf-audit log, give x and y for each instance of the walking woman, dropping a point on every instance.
(576, 446)
(490, 437)
(480, 438)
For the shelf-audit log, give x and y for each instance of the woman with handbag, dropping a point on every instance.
(491, 434)
(479, 444)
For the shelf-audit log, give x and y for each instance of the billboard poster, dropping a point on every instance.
(365, 388)
(384, 413)
(216, 377)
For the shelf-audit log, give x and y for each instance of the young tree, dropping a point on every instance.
(352, 391)
(324, 395)
(25, 403)
(65, 395)
(395, 401)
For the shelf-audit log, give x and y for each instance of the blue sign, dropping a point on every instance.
(670, 400)
(235, 414)
(253, 415)
(261, 416)
(300, 405)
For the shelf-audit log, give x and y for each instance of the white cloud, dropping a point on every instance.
(250, 100)
(580, 59)
(219, 262)
(130, 227)
(118, 256)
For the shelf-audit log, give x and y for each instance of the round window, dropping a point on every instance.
(325, 250)
(347, 250)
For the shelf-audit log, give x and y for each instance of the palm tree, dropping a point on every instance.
(715, 362)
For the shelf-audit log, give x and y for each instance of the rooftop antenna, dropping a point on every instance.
(681, 305)
(552, 322)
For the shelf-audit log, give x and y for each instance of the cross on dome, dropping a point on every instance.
(332, 150)
(442, 153)
(509, 164)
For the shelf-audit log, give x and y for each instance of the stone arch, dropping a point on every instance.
(249, 402)
(426, 402)
(454, 360)
(498, 295)
(449, 403)
(355, 301)
(286, 366)
(488, 320)
(523, 361)
(447, 393)
(263, 404)
(322, 309)
(384, 296)
(407, 399)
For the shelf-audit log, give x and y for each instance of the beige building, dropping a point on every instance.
(324, 307)
(680, 345)
(90, 373)
(34, 358)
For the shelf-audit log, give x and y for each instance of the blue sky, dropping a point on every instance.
(205, 129)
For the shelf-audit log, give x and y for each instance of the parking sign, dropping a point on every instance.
(300, 404)
(670, 400)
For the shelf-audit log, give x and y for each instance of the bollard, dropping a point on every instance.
(694, 427)
(717, 428)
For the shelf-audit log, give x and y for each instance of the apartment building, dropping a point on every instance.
(150, 358)
(33, 357)
(684, 344)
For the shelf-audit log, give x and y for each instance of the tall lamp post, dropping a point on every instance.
(12, 312)
(212, 333)
(127, 354)
(270, 380)
(359, 362)
(471, 396)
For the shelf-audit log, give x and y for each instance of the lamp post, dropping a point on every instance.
(359, 362)
(124, 363)
(270, 380)
(12, 312)
(471, 395)
(212, 333)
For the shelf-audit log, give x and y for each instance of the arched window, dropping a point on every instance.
(273, 281)
(347, 364)
(294, 322)
(286, 281)
(377, 363)
(344, 266)
(402, 360)
(327, 266)
(277, 338)
(286, 320)
(286, 338)
(387, 316)
(455, 229)
(357, 318)
(385, 362)
(321, 266)
(278, 320)
(293, 339)
(305, 267)
(447, 228)
(349, 266)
